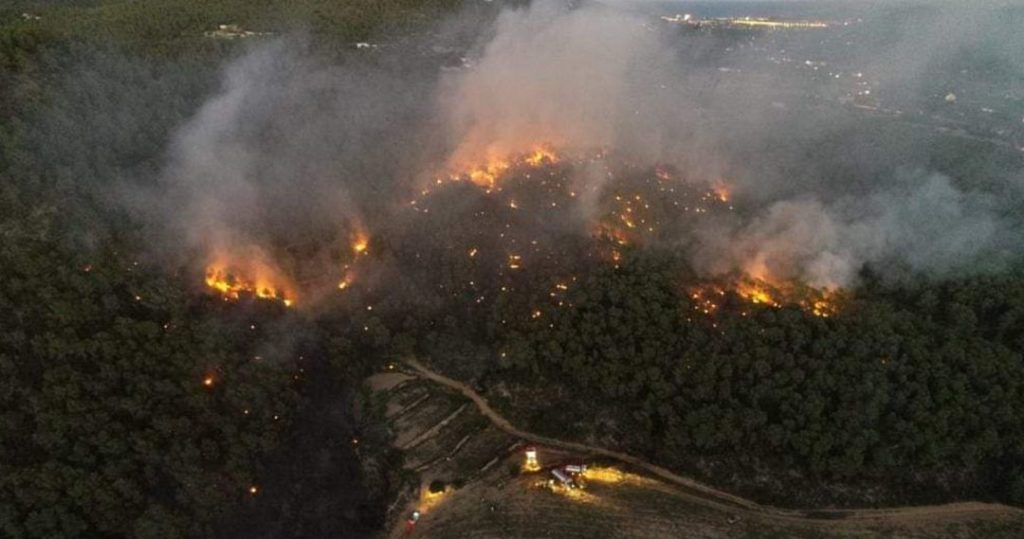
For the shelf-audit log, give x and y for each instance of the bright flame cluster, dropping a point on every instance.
(707, 298)
(360, 242)
(232, 286)
(486, 175)
(756, 292)
(643, 209)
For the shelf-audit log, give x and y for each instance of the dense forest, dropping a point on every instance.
(908, 390)
(918, 387)
(135, 403)
(133, 406)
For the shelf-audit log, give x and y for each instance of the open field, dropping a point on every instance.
(462, 442)
(632, 505)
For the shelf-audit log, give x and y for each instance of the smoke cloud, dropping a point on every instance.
(563, 77)
(925, 224)
(297, 151)
(289, 160)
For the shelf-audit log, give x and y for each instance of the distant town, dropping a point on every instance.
(749, 22)
(964, 102)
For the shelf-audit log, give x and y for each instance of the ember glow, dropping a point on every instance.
(817, 301)
(721, 191)
(710, 298)
(233, 284)
(360, 242)
(541, 155)
(637, 206)
(488, 173)
(756, 292)
(348, 275)
(826, 304)
(430, 500)
(706, 299)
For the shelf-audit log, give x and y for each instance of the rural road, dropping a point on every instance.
(712, 497)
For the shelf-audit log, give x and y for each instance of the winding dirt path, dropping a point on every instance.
(712, 497)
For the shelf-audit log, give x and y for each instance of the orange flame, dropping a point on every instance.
(360, 242)
(487, 174)
(539, 156)
(722, 191)
(826, 303)
(755, 292)
(819, 302)
(348, 277)
(706, 298)
(233, 280)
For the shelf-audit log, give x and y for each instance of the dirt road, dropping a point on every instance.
(712, 497)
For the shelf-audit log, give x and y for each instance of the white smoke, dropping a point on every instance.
(286, 151)
(926, 224)
(577, 77)
(594, 76)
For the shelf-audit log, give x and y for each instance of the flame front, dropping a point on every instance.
(232, 284)
(826, 304)
(486, 175)
(541, 155)
(494, 166)
(755, 292)
(707, 298)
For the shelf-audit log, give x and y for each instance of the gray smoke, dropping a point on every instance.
(599, 77)
(924, 223)
(295, 151)
(292, 156)
(565, 77)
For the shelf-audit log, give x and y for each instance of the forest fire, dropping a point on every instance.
(755, 292)
(825, 305)
(486, 175)
(721, 191)
(705, 298)
(638, 206)
(819, 302)
(541, 155)
(360, 242)
(232, 286)
(710, 297)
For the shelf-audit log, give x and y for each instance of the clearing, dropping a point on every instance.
(449, 433)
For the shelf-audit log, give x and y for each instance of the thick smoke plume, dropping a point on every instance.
(923, 223)
(568, 78)
(297, 152)
(293, 157)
